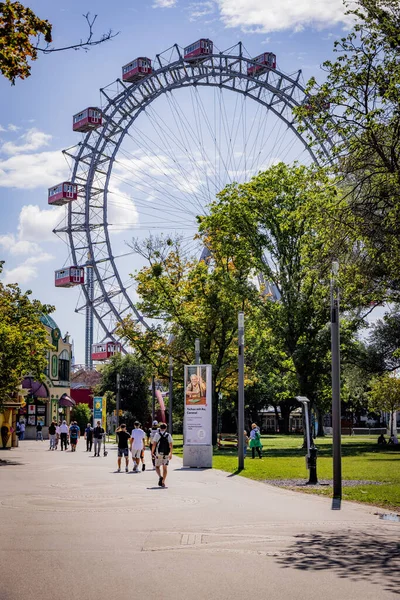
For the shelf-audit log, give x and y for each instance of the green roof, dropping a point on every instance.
(49, 322)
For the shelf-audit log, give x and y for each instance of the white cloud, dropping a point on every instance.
(28, 171)
(26, 271)
(2, 128)
(18, 247)
(198, 10)
(36, 224)
(164, 3)
(122, 211)
(12, 127)
(31, 140)
(260, 16)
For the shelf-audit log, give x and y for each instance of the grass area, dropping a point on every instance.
(284, 458)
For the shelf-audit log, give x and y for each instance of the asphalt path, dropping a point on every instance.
(72, 528)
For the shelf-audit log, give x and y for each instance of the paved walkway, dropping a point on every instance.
(72, 528)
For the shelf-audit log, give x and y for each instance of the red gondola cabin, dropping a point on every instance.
(105, 350)
(88, 119)
(263, 63)
(63, 193)
(69, 276)
(137, 69)
(198, 51)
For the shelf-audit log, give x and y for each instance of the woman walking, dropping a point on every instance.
(255, 441)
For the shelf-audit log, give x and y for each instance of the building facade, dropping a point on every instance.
(49, 400)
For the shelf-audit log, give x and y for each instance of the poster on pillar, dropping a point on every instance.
(97, 410)
(198, 405)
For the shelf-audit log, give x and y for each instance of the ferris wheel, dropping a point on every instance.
(166, 138)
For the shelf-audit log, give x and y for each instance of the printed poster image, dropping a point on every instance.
(31, 420)
(198, 404)
(31, 409)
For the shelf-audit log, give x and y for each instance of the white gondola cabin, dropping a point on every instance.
(63, 193)
(137, 69)
(105, 350)
(87, 119)
(198, 51)
(69, 276)
(263, 62)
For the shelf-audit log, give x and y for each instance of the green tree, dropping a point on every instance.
(82, 414)
(20, 36)
(358, 109)
(188, 299)
(23, 338)
(278, 225)
(134, 384)
(385, 396)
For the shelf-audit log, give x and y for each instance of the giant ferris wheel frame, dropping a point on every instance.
(87, 226)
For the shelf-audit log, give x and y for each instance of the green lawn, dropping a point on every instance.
(284, 459)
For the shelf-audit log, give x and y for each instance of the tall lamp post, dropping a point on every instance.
(171, 366)
(241, 390)
(118, 402)
(153, 398)
(336, 416)
(197, 351)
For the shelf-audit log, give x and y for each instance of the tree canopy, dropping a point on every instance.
(21, 32)
(358, 109)
(23, 338)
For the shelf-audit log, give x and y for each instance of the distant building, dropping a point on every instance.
(49, 400)
(82, 384)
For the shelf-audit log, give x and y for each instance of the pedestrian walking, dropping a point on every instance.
(162, 452)
(22, 430)
(89, 437)
(64, 431)
(153, 431)
(123, 450)
(98, 433)
(39, 434)
(58, 434)
(255, 441)
(74, 435)
(246, 443)
(52, 436)
(137, 445)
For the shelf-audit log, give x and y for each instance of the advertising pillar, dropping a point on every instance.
(197, 427)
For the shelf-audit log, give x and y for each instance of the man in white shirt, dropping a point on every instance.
(137, 445)
(64, 431)
(57, 435)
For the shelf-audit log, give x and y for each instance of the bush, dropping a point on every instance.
(82, 414)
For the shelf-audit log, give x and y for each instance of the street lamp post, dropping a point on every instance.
(336, 416)
(241, 390)
(153, 398)
(197, 351)
(118, 399)
(171, 366)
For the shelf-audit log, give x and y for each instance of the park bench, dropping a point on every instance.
(227, 440)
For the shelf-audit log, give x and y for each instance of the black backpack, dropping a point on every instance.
(163, 444)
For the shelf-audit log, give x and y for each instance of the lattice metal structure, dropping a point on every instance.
(86, 224)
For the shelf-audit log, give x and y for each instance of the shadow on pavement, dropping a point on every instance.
(8, 463)
(355, 556)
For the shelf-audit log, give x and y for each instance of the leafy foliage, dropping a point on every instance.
(82, 414)
(134, 385)
(23, 338)
(358, 110)
(18, 27)
(21, 31)
(385, 395)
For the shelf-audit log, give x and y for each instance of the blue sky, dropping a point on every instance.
(35, 115)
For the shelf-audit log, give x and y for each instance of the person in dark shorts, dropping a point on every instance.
(74, 434)
(123, 450)
(162, 453)
(89, 437)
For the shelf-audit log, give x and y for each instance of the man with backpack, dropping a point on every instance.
(74, 434)
(162, 452)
